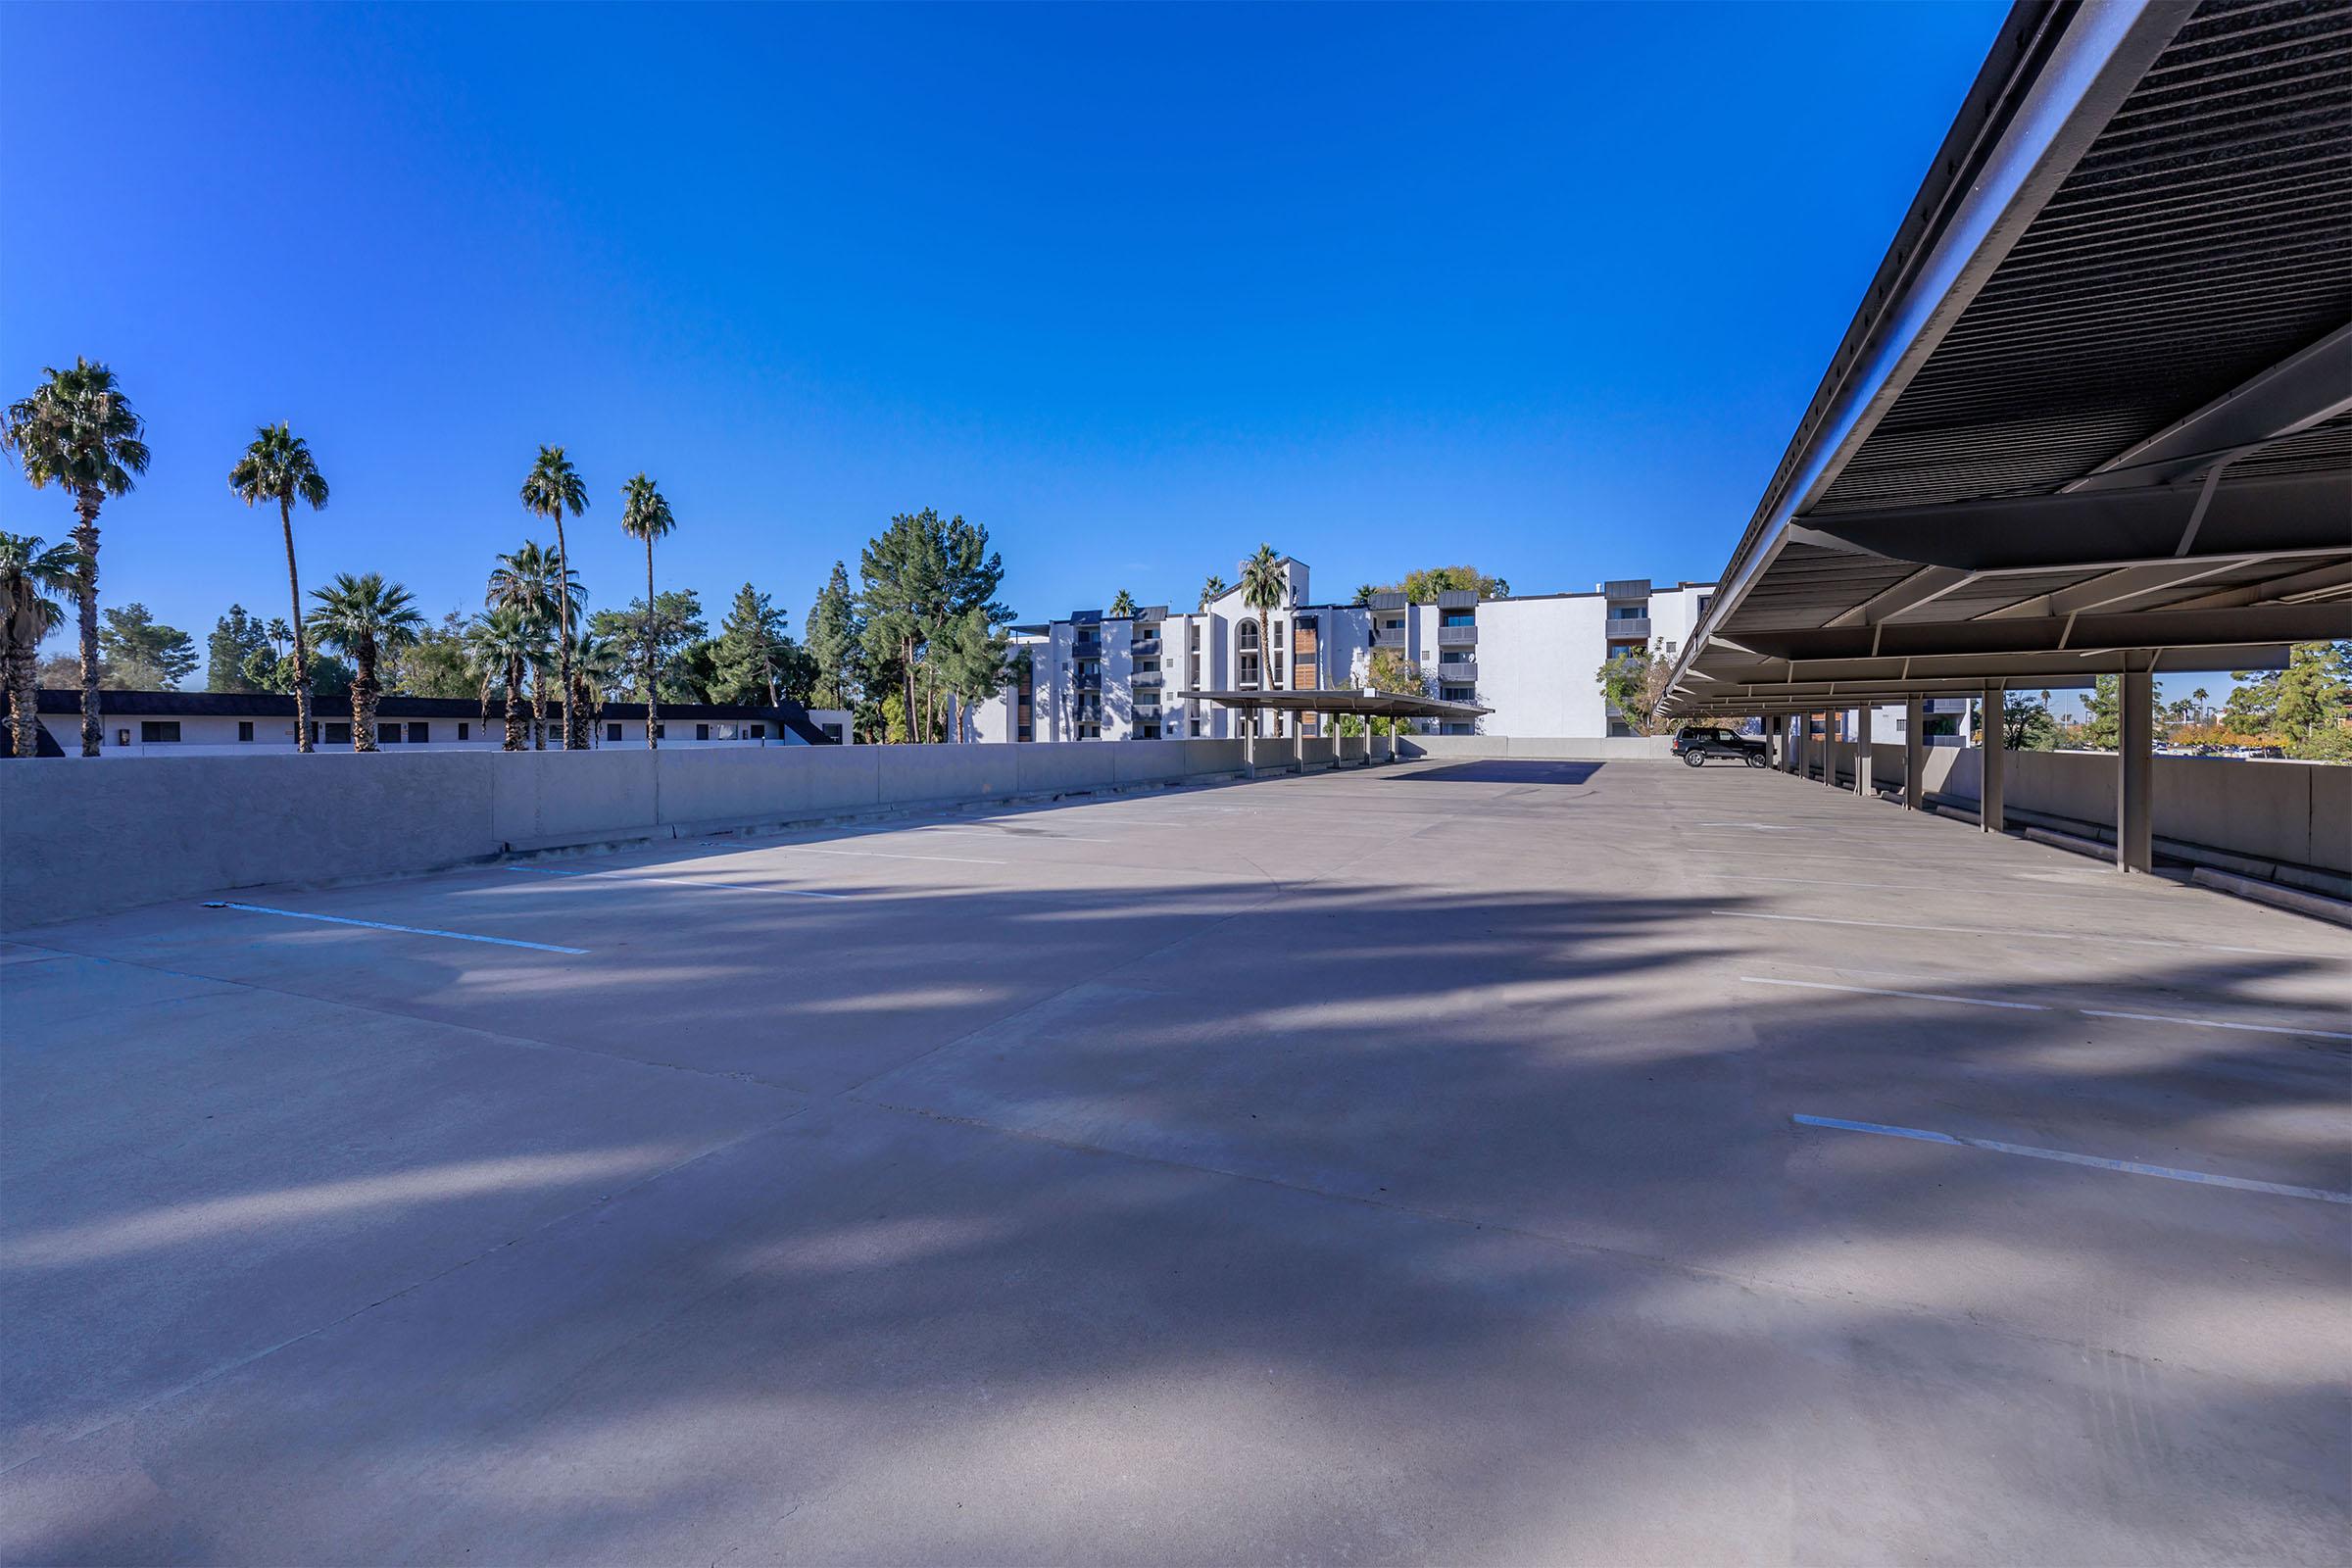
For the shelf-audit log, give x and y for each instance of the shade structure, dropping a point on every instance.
(1346, 700)
(2094, 414)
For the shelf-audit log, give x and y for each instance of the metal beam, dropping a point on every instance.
(2304, 389)
(2145, 628)
(2319, 580)
(1922, 586)
(2253, 516)
(2114, 588)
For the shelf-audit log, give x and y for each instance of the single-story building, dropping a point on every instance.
(234, 723)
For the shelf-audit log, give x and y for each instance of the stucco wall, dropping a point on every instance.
(80, 841)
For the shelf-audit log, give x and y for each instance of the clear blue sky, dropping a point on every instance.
(1545, 289)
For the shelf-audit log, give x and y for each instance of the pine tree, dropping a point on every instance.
(834, 636)
(236, 637)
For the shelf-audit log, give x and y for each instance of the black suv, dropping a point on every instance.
(1699, 742)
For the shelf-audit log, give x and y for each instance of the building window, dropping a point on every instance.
(244, 729)
(1704, 600)
(1457, 694)
(1458, 617)
(388, 734)
(1249, 670)
(1282, 634)
(611, 732)
(1626, 611)
(702, 732)
(759, 732)
(420, 733)
(834, 731)
(152, 731)
(464, 730)
(338, 734)
(1196, 729)
(1246, 638)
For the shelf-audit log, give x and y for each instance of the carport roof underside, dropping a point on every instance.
(1345, 699)
(2095, 412)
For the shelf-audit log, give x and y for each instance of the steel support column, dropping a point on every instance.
(1992, 814)
(2134, 837)
(1862, 789)
(1915, 753)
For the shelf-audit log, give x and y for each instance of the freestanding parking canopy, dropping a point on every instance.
(2094, 414)
(1364, 703)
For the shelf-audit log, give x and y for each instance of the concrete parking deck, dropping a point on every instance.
(1459, 1163)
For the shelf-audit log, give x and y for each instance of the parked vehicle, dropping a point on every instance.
(1697, 742)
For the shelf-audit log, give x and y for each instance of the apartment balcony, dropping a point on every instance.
(1389, 637)
(1628, 628)
(1458, 671)
(1147, 677)
(1457, 636)
(1627, 588)
(1145, 647)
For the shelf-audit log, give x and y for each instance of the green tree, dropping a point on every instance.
(30, 574)
(1423, 587)
(436, 663)
(278, 466)
(973, 661)
(674, 625)
(76, 430)
(1386, 669)
(2102, 728)
(1212, 589)
(835, 638)
(2026, 722)
(142, 654)
(1364, 592)
(236, 637)
(364, 616)
(753, 659)
(1266, 588)
(646, 515)
(919, 579)
(551, 488)
(1123, 607)
(1634, 682)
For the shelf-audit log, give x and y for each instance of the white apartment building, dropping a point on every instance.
(1532, 659)
(248, 724)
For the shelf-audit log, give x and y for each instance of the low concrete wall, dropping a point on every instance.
(83, 841)
(2288, 813)
(1537, 747)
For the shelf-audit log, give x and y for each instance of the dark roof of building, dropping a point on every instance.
(792, 716)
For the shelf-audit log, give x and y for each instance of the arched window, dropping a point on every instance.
(1249, 637)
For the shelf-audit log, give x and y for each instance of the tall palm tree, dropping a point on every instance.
(278, 468)
(1123, 606)
(365, 616)
(1266, 588)
(501, 644)
(646, 515)
(76, 430)
(553, 488)
(29, 574)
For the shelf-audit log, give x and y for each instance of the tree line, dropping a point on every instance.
(908, 650)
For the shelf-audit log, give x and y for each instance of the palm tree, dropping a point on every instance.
(1265, 589)
(1123, 606)
(529, 581)
(28, 575)
(553, 488)
(278, 466)
(602, 663)
(76, 430)
(646, 515)
(1213, 588)
(503, 644)
(365, 616)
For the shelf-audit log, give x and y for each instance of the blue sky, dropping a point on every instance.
(1542, 288)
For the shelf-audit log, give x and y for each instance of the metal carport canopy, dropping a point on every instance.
(1343, 700)
(2094, 414)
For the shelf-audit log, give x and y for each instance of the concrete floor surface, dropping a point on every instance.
(1381, 1165)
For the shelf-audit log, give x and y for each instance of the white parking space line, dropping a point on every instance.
(2216, 1023)
(2095, 1161)
(1990, 931)
(1876, 991)
(381, 925)
(622, 877)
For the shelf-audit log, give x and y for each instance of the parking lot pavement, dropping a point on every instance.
(1493, 1163)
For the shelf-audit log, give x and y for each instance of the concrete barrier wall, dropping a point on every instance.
(1553, 749)
(2292, 813)
(82, 841)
